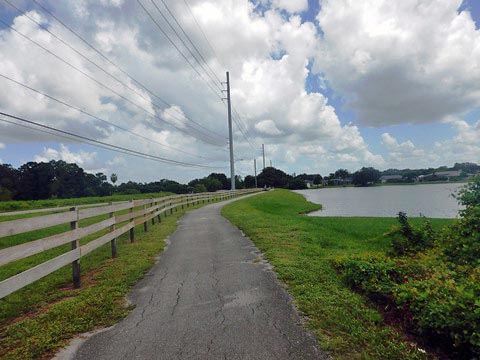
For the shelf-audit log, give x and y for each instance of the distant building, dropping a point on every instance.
(441, 175)
(448, 174)
(309, 183)
(340, 181)
(391, 178)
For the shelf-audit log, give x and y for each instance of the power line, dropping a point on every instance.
(190, 40)
(104, 145)
(203, 33)
(178, 49)
(100, 119)
(119, 68)
(99, 67)
(108, 88)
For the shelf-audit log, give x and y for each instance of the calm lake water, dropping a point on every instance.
(430, 200)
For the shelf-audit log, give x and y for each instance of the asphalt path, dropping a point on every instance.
(210, 296)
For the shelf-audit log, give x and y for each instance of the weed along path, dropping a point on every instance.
(209, 297)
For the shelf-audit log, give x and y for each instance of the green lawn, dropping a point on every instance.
(302, 249)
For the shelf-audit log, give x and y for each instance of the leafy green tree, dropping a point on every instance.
(199, 188)
(317, 180)
(297, 184)
(273, 177)
(342, 174)
(249, 181)
(366, 176)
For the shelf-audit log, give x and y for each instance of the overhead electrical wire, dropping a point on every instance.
(190, 41)
(100, 119)
(112, 147)
(106, 58)
(203, 33)
(153, 114)
(237, 118)
(178, 50)
(106, 72)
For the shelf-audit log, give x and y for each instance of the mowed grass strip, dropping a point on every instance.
(43, 316)
(302, 248)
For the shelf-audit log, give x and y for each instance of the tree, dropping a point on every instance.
(249, 181)
(212, 184)
(342, 174)
(317, 180)
(366, 176)
(199, 188)
(8, 179)
(297, 184)
(113, 178)
(222, 178)
(273, 177)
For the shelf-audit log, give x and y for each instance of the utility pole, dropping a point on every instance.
(255, 171)
(230, 134)
(263, 151)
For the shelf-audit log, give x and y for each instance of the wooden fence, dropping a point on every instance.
(131, 214)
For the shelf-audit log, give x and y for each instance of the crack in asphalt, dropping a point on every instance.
(179, 290)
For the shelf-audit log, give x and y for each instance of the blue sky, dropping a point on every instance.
(319, 98)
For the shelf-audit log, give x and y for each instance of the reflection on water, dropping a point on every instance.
(430, 200)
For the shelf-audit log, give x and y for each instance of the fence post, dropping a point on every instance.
(75, 245)
(113, 242)
(171, 209)
(132, 230)
(145, 226)
(153, 218)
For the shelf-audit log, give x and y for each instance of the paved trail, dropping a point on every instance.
(207, 298)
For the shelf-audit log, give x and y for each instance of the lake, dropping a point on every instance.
(430, 200)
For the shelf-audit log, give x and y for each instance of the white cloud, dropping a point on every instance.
(269, 90)
(292, 6)
(2, 146)
(267, 127)
(81, 158)
(463, 146)
(404, 61)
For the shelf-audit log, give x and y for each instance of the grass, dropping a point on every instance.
(302, 250)
(42, 317)
(17, 205)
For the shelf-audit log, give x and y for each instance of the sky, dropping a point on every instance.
(324, 84)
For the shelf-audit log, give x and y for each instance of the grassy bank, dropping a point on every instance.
(42, 317)
(302, 250)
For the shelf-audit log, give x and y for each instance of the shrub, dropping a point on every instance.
(377, 277)
(435, 276)
(409, 240)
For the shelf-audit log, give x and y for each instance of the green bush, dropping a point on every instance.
(434, 276)
(375, 276)
(446, 306)
(409, 240)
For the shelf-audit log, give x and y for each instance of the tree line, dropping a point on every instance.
(58, 179)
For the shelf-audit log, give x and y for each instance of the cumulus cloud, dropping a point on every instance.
(267, 127)
(400, 61)
(81, 158)
(269, 64)
(463, 146)
(292, 6)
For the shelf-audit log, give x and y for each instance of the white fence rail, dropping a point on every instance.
(139, 212)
